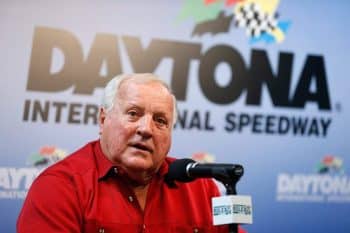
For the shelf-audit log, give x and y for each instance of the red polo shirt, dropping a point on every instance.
(85, 192)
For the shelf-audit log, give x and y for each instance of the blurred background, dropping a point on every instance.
(259, 83)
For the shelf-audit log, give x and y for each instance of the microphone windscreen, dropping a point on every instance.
(177, 170)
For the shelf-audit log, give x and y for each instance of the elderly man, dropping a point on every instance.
(116, 184)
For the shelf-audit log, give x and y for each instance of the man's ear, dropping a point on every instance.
(101, 118)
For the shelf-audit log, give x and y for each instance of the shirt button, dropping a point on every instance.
(101, 230)
(131, 199)
(195, 230)
(116, 170)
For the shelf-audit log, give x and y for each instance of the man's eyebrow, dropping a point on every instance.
(133, 105)
(163, 114)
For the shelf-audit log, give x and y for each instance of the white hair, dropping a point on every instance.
(111, 90)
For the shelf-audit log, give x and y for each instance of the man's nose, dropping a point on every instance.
(145, 126)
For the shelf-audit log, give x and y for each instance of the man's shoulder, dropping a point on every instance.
(77, 163)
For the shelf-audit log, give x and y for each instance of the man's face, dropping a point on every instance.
(136, 133)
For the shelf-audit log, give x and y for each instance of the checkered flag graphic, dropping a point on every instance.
(254, 20)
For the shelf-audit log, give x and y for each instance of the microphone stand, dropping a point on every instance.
(229, 181)
(231, 190)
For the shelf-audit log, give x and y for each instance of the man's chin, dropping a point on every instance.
(139, 164)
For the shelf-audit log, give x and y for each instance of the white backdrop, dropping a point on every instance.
(293, 143)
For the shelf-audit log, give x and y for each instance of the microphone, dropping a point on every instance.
(230, 209)
(186, 170)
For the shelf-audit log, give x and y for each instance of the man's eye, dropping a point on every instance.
(161, 121)
(132, 113)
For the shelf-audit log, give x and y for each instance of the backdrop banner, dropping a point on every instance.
(258, 82)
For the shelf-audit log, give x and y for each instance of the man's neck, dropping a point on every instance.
(141, 194)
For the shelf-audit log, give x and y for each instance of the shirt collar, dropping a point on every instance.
(105, 166)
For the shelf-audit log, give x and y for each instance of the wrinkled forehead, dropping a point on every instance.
(146, 93)
(134, 84)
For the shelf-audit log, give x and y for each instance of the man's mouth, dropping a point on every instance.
(143, 147)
